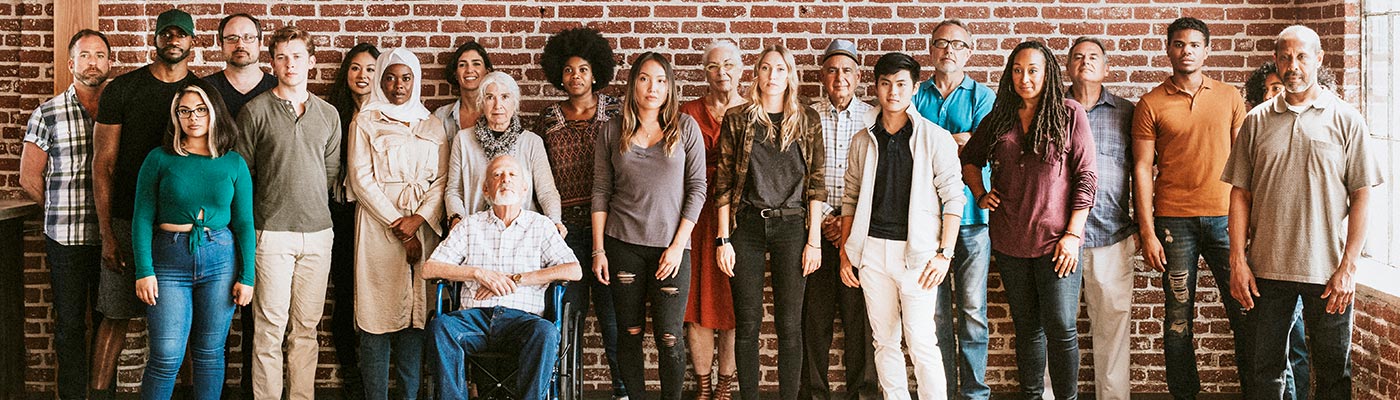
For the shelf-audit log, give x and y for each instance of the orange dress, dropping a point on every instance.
(710, 303)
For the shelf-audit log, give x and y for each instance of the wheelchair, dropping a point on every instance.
(491, 375)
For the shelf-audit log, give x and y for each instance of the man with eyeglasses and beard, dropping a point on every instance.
(239, 39)
(131, 119)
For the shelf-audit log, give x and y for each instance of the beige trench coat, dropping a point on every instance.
(395, 170)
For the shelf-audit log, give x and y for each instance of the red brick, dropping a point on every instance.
(1017, 12)
(436, 10)
(342, 10)
(872, 12)
(751, 26)
(578, 12)
(818, 12)
(388, 10)
(366, 25)
(674, 11)
(847, 28)
(722, 11)
(772, 11)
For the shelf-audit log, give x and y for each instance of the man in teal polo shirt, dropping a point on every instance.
(957, 103)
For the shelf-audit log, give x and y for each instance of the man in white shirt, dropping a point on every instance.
(507, 256)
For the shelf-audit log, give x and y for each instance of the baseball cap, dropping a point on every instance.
(841, 47)
(175, 17)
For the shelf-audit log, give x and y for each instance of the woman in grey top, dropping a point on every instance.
(498, 132)
(648, 187)
(468, 65)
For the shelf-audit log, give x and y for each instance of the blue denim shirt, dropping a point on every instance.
(1111, 120)
(961, 111)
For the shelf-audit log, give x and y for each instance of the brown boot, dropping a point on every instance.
(703, 390)
(724, 389)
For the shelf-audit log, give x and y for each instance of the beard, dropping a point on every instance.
(506, 198)
(1295, 86)
(92, 77)
(175, 59)
(246, 59)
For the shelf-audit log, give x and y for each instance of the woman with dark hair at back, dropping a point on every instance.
(648, 187)
(579, 62)
(353, 84)
(1265, 83)
(465, 70)
(193, 241)
(1043, 183)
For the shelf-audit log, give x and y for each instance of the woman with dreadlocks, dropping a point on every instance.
(1043, 183)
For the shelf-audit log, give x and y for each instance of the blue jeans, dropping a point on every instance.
(1329, 340)
(966, 375)
(73, 272)
(405, 347)
(195, 308)
(580, 240)
(1185, 241)
(1044, 308)
(459, 334)
(1299, 368)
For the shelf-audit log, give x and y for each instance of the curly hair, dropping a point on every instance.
(1049, 135)
(585, 43)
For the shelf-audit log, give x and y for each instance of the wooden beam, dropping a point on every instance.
(69, 17)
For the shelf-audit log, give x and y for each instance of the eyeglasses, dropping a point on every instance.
(954, 44)
(186, 113)
(712, 67)
(246, 38)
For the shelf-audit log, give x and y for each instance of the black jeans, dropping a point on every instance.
(1044, 310)
(72, 272)
(1328, 336)
(783, 239)
(343, 334)
(580, 240)
(818, 312)
(632, 270)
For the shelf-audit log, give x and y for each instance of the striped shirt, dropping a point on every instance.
(531, 243)
(838, 126)
(63, 129)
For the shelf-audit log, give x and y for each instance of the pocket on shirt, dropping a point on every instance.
(1325, 159)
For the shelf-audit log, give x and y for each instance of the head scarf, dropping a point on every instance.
(410, 111)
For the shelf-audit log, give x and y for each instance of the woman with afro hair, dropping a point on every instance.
(579, 62)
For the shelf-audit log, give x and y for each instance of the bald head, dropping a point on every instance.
(1301, 34)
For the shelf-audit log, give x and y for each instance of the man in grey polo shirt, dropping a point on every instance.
(291, 141)
(1302, 173)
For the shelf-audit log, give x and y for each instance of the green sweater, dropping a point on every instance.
(172, 189)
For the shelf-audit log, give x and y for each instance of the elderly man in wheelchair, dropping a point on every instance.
(506, 257)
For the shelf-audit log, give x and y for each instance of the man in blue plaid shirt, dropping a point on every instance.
(56, 171)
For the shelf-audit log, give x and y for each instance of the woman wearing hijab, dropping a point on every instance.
(498, 132)
(398, 156)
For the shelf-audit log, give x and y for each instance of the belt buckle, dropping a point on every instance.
(764, 213)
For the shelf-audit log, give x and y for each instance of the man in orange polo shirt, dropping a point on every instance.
(1186, 126)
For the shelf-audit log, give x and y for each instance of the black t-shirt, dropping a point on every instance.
(232, 98)
(776, 175)
(140, 103)
(894, 169)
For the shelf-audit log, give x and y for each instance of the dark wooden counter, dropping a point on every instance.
(12, 216)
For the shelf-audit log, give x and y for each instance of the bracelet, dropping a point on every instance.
(815, 246)
(599, 252)
(1071, 233)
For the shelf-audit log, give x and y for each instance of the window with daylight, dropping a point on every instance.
(1380, 102)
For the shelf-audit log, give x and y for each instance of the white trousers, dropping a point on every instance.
(899, 308)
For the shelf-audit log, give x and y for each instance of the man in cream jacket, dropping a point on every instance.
(900, 214)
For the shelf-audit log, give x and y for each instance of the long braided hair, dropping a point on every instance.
(1049, 131)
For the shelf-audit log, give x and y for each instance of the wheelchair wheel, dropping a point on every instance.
(568, 384)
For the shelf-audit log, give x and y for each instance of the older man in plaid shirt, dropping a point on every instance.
(507, 256)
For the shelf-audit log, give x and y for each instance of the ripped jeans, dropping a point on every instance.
(1185, 240)
(633, 283)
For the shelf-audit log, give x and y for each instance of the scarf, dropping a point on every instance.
(411, 110)
(498, 145)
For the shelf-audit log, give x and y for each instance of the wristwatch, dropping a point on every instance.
(946, 252)
(515, 278)
(721, 241)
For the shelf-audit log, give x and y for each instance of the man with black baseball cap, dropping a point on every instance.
(131, 120)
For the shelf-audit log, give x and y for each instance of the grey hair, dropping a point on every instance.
(721, 44)
(1302, 33)
(506, 81)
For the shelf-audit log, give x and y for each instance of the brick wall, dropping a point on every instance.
(515, 31)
